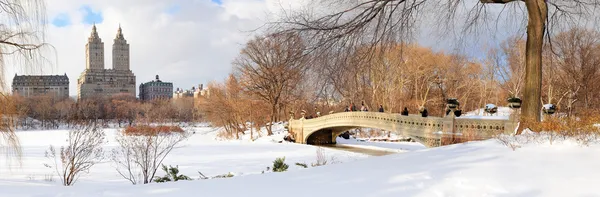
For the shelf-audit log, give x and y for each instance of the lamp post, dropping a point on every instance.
(514, 103)
(452, 104)
(549, 109)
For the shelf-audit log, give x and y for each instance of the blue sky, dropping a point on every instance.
(61, 20)
(90, 16)
(173, 9)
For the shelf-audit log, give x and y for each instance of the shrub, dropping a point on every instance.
(302, 165)
(509, 141)
(84, 150)
(581, 126)
(172, 174)
(279, 165)
(228, 175)
(321, 159)
(144, 130)
(138, 157)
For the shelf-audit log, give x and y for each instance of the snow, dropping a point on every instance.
(502, 114)
(384, 146)
(490, 106)
(537, 167)
(203, 152)
(485, 168)
(548, 106)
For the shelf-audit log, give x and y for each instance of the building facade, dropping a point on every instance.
(181, 93)
(96, 80)
(38, 85)
(196, 93)
(200, 92)
(156, 89)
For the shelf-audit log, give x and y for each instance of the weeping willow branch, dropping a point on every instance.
(22, 27)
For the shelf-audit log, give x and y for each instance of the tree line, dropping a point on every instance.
(276, 76)
(48, 112)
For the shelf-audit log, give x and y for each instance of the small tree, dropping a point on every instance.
(279, 165)
(83, 151)
(140, 154)
(172, 174)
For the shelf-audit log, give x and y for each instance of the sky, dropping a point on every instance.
(186, 42)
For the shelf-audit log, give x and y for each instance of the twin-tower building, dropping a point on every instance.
(96, 80)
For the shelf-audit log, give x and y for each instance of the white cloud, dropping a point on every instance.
(194, 45)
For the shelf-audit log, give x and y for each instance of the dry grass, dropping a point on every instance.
(582, 124)
(581, 128)
(146, 130)
(224, 134)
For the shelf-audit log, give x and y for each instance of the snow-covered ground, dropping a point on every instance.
(384, 146)
(203, 152)
(486, 168)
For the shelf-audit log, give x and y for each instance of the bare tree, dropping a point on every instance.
(83, 151)
(577, 66)
(229, 107)
(390, 21)
(140, 154)
(271, 68)
(509, 63)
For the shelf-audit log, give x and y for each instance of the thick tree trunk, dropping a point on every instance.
(538, 13)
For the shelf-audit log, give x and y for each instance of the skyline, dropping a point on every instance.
(167, 38)
(185, 42)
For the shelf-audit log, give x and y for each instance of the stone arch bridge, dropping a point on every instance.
(325, 129)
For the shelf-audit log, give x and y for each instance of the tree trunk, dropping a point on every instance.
(273, 114)
(538, 13)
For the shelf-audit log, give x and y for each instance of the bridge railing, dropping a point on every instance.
(412, 125)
